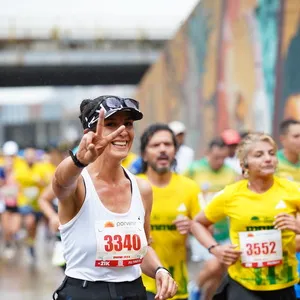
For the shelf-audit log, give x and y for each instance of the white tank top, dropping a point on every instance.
(100, 245)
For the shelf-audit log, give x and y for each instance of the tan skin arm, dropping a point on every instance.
(149, 265)
(69, 191)
(165, 285)
(226, 254)
(297, 243)
(67, 183)
(298, 235)
(45, 203)
(201, 229)
(65, 179)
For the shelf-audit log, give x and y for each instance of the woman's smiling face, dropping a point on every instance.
(121, 145)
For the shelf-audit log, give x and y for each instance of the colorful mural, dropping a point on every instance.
(233, 64)
(288, 89)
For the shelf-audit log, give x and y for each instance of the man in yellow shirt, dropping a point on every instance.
(31, 180)
(175, 202)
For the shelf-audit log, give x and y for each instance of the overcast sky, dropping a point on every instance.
(155, 15)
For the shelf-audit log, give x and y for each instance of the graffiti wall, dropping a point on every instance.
(233, 64)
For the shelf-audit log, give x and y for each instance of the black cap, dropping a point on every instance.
(136, 114)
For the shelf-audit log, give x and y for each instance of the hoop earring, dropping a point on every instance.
(246, 173)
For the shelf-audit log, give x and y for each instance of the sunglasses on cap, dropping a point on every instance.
(111, 105)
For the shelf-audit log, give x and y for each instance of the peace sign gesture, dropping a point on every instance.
(93, 144)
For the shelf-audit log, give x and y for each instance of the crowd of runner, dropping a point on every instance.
(233, 211)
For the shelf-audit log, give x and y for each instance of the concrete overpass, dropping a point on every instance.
(37, 117)
(28, 62)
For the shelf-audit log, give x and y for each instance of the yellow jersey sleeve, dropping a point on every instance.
(294, 191)
(215, 210)
(194, 208)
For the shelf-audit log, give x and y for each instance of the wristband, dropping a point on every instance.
(76, 161)
(211, 247)
(162, 269)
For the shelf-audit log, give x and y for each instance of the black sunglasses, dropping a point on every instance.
(113, 102)
(110, 103)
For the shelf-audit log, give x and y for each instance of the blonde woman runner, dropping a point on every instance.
(261, 258)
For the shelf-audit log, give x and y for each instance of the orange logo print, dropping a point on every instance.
(250, 235)
(109, 224)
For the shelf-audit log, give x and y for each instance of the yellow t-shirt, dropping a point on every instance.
(129, 159)
(31, 181)
(179, 197)
(249, 211)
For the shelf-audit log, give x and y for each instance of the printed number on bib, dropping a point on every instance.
(120, 243)
(261, 248)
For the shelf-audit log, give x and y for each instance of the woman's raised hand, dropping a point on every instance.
(93, 144)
